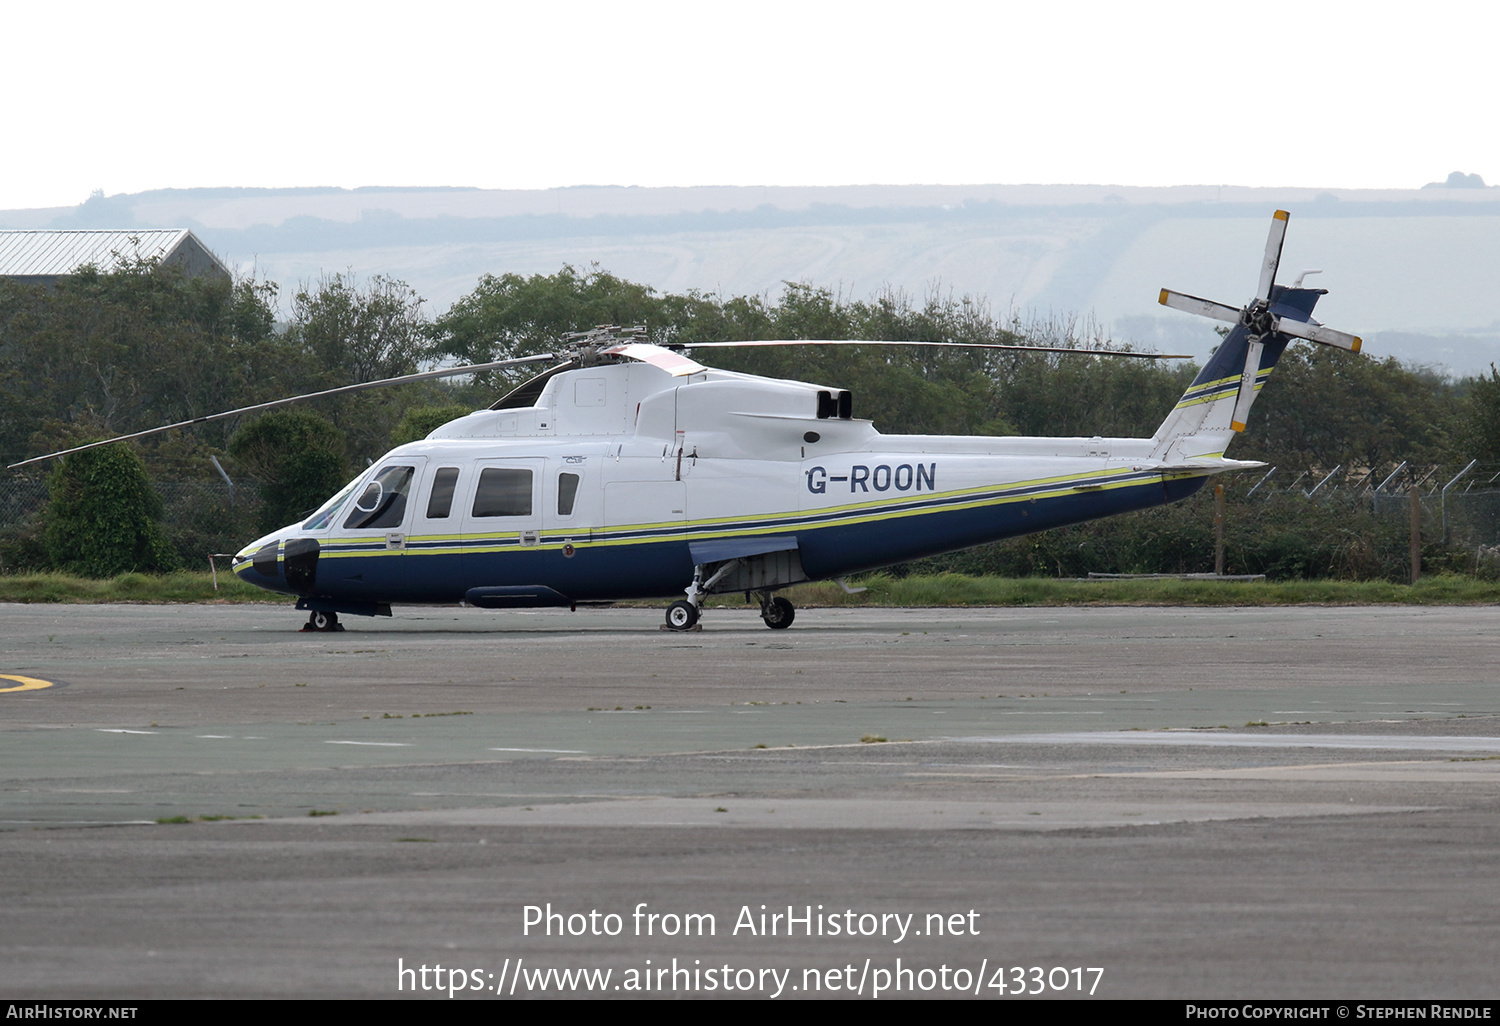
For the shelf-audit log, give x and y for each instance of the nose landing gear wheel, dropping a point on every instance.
(322, 623)
(681, 616)
(778, 613)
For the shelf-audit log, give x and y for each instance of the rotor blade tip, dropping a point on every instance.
(1357, 343)
(1281, 215)
(1162, 299)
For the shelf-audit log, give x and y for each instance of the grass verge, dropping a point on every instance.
(181, 587)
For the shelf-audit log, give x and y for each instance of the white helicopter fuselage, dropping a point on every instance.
(624, 480)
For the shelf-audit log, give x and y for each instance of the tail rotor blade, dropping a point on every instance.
(1201, 307)
(1318, 333)
(1273, 255)
(1247, 386)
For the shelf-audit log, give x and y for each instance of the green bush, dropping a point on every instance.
(103, 517)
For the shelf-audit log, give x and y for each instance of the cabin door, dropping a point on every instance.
(502, 522)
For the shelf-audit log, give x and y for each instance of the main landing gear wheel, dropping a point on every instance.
(322, 622)
(681, 615)
(778, 613)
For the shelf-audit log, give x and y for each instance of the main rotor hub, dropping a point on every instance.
(587, 346)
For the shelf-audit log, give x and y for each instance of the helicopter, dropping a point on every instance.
(631, 470)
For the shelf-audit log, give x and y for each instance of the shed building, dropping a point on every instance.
(43, 256)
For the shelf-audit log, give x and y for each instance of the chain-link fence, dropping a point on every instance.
(199, 517)
(1460, 504)
(1326, 524)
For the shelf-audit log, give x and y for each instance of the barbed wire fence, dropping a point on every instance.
(1331, 523)
(1457, 505)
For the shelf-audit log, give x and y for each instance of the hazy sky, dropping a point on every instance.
(127, 97)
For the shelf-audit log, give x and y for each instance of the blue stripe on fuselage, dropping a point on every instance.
(639, 564)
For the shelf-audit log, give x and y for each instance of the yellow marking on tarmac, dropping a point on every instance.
(26, 683)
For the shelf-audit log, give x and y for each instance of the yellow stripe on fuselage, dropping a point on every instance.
(721, 527)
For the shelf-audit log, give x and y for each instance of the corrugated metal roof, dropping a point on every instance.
(36, 253)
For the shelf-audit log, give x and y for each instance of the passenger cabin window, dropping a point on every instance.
(383, 501)
(503, 492)
(567, 491)
(440, 502)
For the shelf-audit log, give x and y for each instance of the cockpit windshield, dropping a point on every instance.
(324, 514)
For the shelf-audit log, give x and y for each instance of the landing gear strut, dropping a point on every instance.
(682, 615)
(322, 622)
(777, 612)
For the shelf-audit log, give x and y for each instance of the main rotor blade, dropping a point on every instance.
(446, 372)
(1201, 307)
(1273, 255)
(1078, 351)
(1318, 333)
(661, 358)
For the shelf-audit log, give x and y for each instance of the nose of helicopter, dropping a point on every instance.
(258, 563)
(279, 564)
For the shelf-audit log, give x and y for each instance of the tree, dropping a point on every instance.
(1481, 418)
(129, 349)
(420, 421)
(513, 315)
(344, 333)
(359, 333)
(103, 517)
(1323, 407)
(299, 459)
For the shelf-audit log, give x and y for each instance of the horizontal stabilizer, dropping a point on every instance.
(1204, 465)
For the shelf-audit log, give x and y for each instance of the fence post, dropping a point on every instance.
(1416, 534)
(1219, 528)
(225, 476)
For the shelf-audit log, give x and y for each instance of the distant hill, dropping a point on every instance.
(1411, 270)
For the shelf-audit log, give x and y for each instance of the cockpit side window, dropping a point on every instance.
(383, 501)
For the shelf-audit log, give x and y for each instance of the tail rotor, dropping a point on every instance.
(1219, 400)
